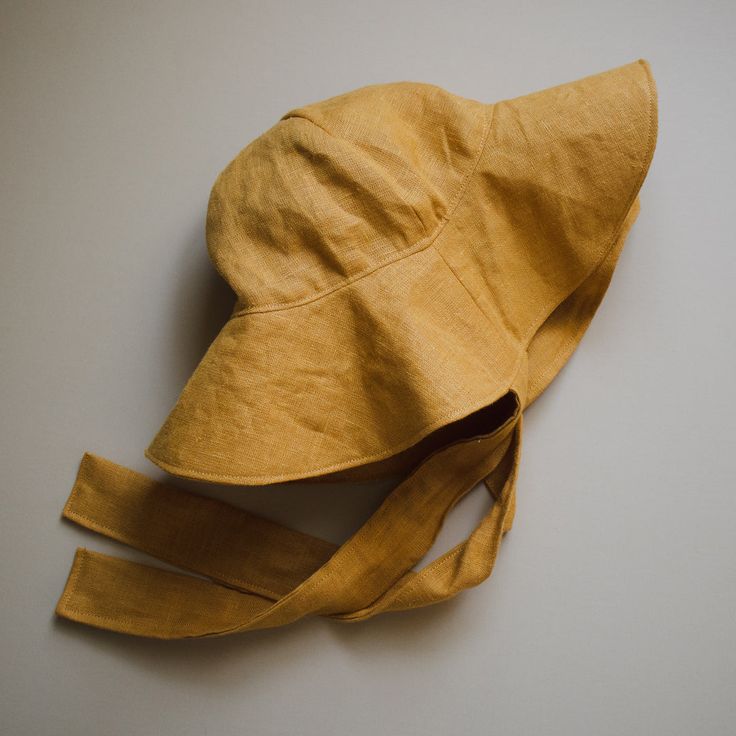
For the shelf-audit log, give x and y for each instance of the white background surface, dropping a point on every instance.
(611, 609)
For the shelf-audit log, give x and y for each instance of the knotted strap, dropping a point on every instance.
(261, 574)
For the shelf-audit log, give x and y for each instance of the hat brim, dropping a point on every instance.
(349, 379)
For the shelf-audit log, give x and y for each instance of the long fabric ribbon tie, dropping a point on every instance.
(260, 574)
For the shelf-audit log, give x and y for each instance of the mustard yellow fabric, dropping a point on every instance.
(412, 269)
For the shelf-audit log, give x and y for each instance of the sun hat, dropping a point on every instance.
(412, 269)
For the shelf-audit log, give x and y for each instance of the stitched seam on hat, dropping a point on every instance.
(544, 378)
(64, 606)
(536, 323)
(646, 161)
(72, 514)
(352, 144)
(219, 575)
(83, 557)
(71, 587)
(421, 245)
(466, 409)
(490, 321)
(439, 252)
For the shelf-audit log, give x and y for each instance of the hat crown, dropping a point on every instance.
(337, 188)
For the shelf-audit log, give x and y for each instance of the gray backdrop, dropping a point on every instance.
(611, 609)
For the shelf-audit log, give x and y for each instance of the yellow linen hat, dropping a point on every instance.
(395, 250)
(412, 269)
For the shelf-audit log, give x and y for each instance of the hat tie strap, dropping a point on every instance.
(290, 574)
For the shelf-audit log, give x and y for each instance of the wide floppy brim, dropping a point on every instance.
(349, 379)
(370, 369)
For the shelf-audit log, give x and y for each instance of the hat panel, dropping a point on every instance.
(551, 192)
(428, 134)
(300, 210)
(317, 201)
